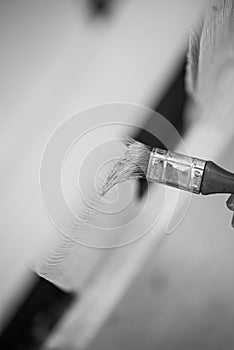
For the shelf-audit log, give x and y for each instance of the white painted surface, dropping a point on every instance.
(54, 62)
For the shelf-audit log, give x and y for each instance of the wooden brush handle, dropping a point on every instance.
(216, 180)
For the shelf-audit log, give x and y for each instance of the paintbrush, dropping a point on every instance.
(169, 168)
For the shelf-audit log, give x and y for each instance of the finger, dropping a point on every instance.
(233, 220)
(230, 202)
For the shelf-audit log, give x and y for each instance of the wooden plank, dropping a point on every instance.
(56, 61)
(211, 82)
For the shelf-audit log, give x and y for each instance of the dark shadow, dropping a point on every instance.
(37, 315)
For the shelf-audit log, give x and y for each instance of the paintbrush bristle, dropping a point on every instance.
(133, 164)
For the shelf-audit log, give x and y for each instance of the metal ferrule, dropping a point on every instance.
(175, 170)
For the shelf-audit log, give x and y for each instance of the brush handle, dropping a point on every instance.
(216, 180)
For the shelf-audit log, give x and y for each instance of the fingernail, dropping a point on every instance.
(230, 203)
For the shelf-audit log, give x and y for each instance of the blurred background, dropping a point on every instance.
(163, 291)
